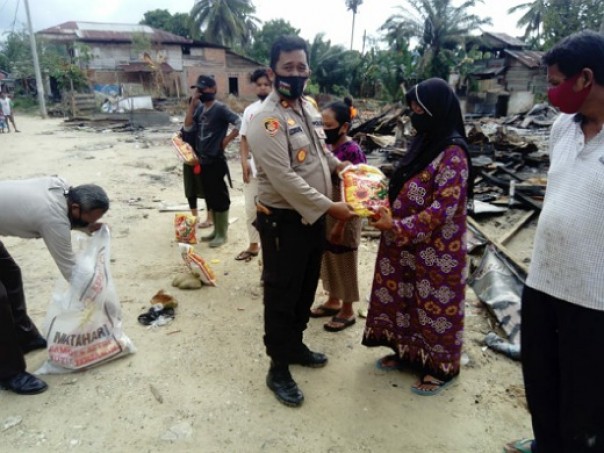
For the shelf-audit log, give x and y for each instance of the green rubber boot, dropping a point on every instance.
(221, 226)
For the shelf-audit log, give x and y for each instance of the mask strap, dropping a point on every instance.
(421, 103)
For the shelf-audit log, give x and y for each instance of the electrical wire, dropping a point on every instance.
(15, 19)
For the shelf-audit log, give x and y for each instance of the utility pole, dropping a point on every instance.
(34, 52)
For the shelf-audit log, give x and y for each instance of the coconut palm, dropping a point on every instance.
(225, 22)
(438, 25)
(353, 5)
(532, 20)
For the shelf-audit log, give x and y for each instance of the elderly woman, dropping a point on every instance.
(417, 298)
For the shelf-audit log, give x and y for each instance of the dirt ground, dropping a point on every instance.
(208, 366)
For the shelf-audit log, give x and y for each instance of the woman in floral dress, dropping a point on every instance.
(417, 299)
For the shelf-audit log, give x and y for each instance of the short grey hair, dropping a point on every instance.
(89, 197)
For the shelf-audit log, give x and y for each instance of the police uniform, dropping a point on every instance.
(294, 184)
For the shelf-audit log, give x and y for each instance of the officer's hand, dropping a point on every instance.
(382, 219)
(336, 235)
(341, 211)
(246, 170)
(342, 165)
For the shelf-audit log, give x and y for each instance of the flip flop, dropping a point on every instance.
(440, 386)
(398, 366)
(344, 323)
(519, 446)
(246, 255)
(205, 224)
(322, 311)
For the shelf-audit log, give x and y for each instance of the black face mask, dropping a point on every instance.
(207, 97)
(262, 97)
(332, 135)
(78, 224)
(421, 123)
(290, 87)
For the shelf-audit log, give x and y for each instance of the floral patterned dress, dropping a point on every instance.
(417, 299)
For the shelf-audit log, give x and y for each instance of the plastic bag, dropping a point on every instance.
(184, 228)
(197, 264)
(84, 322)
(184, 151)
(365, 188)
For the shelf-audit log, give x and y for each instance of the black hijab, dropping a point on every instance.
(439, 102)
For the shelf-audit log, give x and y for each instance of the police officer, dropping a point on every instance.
(286, 138)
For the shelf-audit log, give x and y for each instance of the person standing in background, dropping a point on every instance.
(263, 87)
(339, 269)
(6, 104)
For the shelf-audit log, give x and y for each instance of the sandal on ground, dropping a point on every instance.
(341, 324)
(246, 255)
(322, 311)
(519, 446)
(205, 224)
(432, 381)
(390, 362)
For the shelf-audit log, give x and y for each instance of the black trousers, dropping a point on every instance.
(16, 327)
(563, 365)
(291, 253)
(215, 187)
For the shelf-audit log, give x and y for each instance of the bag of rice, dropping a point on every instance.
(184, 151)
(365, 188)
(184, 228)
(197, 264)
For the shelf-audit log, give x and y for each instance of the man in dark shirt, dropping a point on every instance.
(210, 120)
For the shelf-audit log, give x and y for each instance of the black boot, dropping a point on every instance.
(24, 384)
(280, 381)
(310, 359)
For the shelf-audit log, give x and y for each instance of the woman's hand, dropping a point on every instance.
(382, 219)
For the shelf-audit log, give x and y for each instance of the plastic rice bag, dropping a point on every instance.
(197, 264)
(184, 228)
(184, 151)
(365, 188)
(84, 322)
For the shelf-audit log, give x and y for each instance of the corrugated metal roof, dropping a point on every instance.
(529, 58)
(101, 32)
(506, 39)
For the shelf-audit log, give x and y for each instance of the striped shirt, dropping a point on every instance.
(568, 255)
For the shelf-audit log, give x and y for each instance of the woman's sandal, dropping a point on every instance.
(519, 446)
(340, 324)
(437, 384)
(205, 224)
(389, 362)
(246, 255)
(321, 311)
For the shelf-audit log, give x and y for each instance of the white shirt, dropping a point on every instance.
(34, 208)
(568, 255)
(5, 104)
(248, 114)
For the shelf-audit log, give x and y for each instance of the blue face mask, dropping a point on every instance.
(290, 87)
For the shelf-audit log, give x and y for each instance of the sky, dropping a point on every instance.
(310, 16)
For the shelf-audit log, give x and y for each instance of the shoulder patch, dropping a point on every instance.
(271, 125)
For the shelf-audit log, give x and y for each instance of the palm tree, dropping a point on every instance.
(225, 22)
(532, 18)
(353, 5)
(439, 26)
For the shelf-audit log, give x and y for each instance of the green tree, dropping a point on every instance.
(264, 38)
(225, 22)
(565, 17)
(532, 19)
(179, 23)
(440, 28)
(353, 5)
(329, 65)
